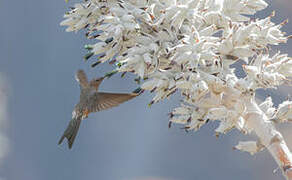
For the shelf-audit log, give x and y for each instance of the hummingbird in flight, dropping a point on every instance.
(91, 100)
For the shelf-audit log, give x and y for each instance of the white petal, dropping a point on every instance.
(248, 146)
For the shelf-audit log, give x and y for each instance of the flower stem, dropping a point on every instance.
(269, 137)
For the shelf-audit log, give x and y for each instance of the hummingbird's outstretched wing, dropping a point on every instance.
(71, 131)
(101, 100)
(81, 78)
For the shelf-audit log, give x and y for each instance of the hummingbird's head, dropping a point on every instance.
(96, 82)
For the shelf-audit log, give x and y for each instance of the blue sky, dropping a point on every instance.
(128, 142)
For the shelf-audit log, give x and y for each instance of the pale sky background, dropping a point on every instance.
(129, 142)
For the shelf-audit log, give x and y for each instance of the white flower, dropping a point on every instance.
(267, 107)
(188, 46)
(284, 112)
(251, 147)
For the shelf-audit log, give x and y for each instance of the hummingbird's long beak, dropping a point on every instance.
(109, 74)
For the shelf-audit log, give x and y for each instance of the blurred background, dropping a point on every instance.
(130, 142)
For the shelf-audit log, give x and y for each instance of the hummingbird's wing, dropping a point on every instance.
(81, 78)
(100, 100)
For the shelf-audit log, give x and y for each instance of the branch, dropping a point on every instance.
(269, 136)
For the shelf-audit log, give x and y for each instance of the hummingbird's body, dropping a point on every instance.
(91, 101)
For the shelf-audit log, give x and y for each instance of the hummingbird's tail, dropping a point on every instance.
(71, 131)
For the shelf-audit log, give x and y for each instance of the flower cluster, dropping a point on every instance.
(188, 46)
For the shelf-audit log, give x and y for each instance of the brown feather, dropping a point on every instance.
(101, 101)
(71, 131)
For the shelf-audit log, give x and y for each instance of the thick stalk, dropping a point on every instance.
(269, 136)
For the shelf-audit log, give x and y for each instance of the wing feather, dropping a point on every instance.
(100, 101)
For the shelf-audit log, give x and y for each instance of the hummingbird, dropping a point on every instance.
(91, 100)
